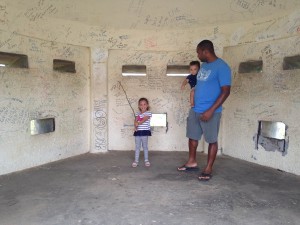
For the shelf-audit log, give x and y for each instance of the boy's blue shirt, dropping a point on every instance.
(192, 80)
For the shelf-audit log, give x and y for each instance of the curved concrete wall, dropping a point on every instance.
(39, 92)
(86, 109)
(272, 95)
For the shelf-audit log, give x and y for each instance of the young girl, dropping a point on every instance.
(142, 131)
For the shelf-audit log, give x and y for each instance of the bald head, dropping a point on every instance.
(206, 45)
(206, 51)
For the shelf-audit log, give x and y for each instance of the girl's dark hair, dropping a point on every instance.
(146, 100)
(195, 63)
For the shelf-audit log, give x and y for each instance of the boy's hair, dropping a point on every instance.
(146, 100)
(206, 45)
(195, 63)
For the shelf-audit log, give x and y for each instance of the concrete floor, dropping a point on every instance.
(104, 189)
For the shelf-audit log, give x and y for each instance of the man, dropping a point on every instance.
(212, 89)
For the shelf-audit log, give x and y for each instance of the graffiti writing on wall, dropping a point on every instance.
(100, 124)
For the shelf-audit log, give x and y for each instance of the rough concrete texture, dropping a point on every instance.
(104, 189)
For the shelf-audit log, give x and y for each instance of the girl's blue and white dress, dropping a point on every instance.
(144, 128)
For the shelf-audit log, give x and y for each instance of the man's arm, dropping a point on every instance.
(225, 92)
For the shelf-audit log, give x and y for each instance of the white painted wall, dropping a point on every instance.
(163, 92)
(272, 95)
(39, 92)
(88, 110)
(99, 101)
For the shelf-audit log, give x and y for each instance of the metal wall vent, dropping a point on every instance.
(271, 135)
(41, 126)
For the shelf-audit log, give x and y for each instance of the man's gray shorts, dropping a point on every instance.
(195, 127)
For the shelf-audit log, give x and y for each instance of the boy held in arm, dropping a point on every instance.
(192, 79)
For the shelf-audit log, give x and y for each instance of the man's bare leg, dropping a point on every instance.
(193, 144)
(212, 153)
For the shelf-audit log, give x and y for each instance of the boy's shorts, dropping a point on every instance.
(210, 129)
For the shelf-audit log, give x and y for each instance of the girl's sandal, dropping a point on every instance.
(147, 163)
(134, 164)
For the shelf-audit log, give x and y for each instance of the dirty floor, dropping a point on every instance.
(104, 189)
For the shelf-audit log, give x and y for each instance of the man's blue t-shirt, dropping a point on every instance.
(210, 78)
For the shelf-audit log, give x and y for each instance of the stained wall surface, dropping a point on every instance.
(91, 111)
(271, 95)
(163, 92)
(39, 92)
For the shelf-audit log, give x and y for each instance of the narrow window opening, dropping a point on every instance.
(253, 66)
(12, 60)
(178, 70)
(158, 120)
(291, 63)
(134, 70)
(64, 66)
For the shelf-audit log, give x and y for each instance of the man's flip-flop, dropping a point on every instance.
(188, 168)
(205, 177)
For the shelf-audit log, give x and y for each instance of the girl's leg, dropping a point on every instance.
(138, 142)
(145, 147)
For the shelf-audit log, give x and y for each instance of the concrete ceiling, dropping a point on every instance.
(154, 14)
